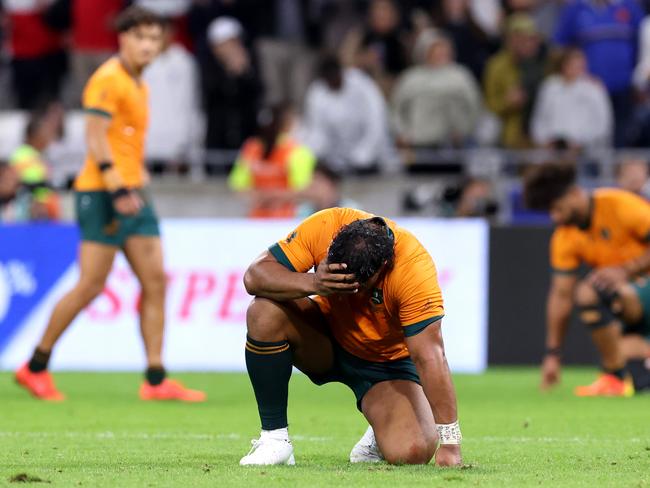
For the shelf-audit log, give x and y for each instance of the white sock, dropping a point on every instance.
(276, 434)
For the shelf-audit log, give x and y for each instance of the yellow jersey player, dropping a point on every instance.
(607, 230)
(113, 211)
(374, 324)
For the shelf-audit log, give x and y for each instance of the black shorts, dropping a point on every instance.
(360, 375)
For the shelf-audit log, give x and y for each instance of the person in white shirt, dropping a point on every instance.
(572, 109)
(175, 121)
(346, 120)
(436, 103)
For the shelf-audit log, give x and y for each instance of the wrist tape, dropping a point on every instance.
(449, 433)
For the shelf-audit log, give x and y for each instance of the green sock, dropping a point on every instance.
(269, 368)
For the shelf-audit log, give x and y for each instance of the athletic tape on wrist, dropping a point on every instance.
(449, 433)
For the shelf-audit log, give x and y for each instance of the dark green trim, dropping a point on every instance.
(647, 237)
(565, 271)
(282, 258)
(98, 111)
(416, 328)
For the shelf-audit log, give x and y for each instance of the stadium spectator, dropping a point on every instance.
(471, 44)
(175, 122)
(9, 184)
(273, 167)
(633, 174)
(346, 120)
(476, 199)
(323, 192)
(289, 34)
(231, 87)
(176, 11)
(38, 57)
(639, 130)
(544, 12)
(94, 39)
(572, 109)
(512, 77)
(607, 31)
(378, 46)
(437, 102)
(488, 15)
(36, 199)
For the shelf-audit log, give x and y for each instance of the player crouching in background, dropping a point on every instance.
(609, 231)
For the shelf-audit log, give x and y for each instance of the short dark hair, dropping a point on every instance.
(364, 245)
(135, 16)
(546, 183)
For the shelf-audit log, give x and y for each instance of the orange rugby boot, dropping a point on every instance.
(40, 385)
(170, 390)
(607, 385)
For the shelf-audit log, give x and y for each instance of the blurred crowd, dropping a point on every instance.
(359, 86)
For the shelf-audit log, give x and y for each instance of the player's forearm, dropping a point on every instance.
(274, 281)
(99, 150)
(437, 385)
(638, 266)
(558, 312)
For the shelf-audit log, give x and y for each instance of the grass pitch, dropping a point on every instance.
(514, 436)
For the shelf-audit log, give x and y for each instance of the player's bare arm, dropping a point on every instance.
(267, 278)
(428, 353)
(125, 202)
(558, 310)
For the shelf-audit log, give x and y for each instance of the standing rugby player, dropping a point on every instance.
(114, 212)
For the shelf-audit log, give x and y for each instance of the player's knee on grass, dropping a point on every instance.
(410, 451)
(266, 320)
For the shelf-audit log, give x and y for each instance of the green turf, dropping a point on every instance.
(514, 436)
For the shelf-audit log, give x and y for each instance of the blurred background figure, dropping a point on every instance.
(472, 45)
(272, 167)
(175, 121)
(572, 109)
(232, 90)
(476, 199)
(437, 102)
(36, 199)
(346, 120)
(323, 192)
(9, 184)
(633, 174)
(93, 38)
(379, 46)
(37, 48)
(289, 34)
(512, 78)
(607, 31)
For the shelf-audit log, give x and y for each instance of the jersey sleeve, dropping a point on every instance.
(563, 254)
(418, 294)
(634, 214)
(101, 96)
(304, 246)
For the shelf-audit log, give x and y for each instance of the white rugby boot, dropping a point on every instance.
(273, 447)
(366, 450)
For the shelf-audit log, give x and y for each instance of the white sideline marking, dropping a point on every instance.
(144, 436)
